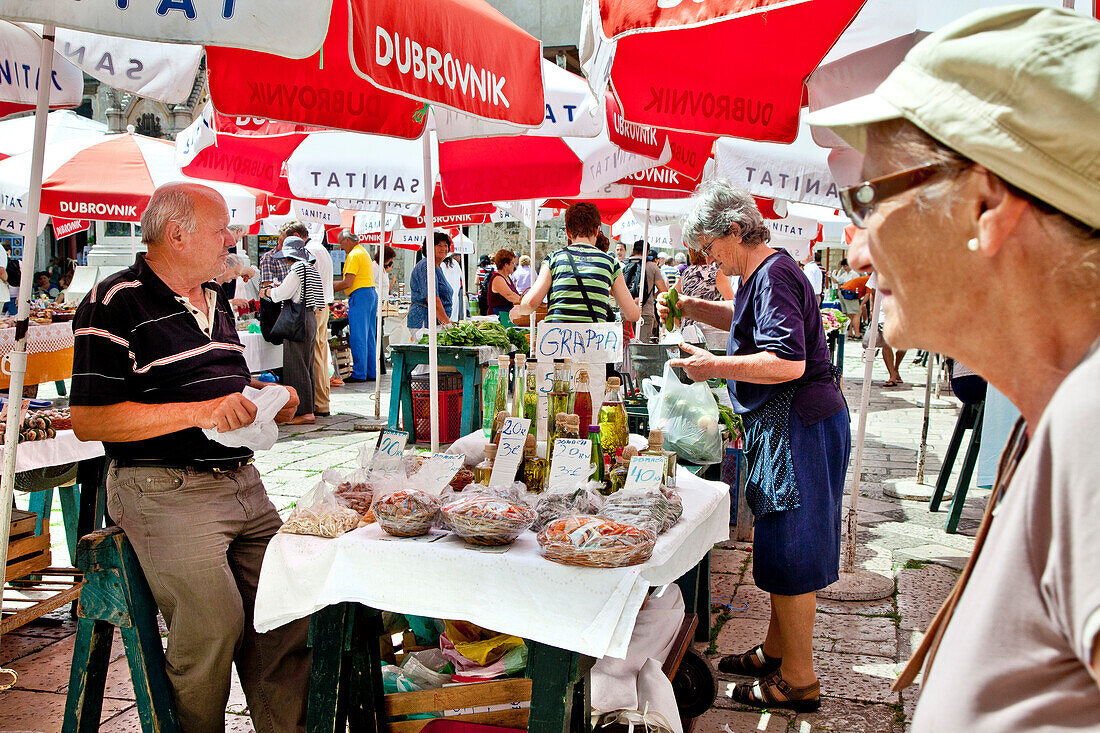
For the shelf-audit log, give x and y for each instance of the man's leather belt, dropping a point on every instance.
(226, 466)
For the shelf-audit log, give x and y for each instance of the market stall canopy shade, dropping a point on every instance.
(461, 54)
(16, 135)
(108, 178)
(286, 27)
(20, 53)
(734, 68)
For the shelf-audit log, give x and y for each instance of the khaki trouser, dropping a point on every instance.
(320, 363)
(200, 537)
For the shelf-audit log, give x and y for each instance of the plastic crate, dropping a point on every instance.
(447, 381)
(450, 414)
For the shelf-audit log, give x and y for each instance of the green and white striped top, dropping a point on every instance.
(597, 271)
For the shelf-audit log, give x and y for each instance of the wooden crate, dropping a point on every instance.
(27, 552)
(343, 361)
(513, 695)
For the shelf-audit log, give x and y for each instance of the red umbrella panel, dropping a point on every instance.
(734, 68)
(382, 63)
(319, 90)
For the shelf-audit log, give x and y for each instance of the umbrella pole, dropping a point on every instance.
(378, 335)
(534, 222)
(433, 353)
(645, 260)
(860, 585)
(17, 359)
(917, 490)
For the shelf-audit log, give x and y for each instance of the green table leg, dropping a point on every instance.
(345, 686)
(559, 690)
(469, 396)
(398, 377)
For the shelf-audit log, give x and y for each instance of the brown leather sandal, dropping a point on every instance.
(753, 663)
(775, 692)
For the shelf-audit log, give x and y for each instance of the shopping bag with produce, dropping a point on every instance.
(688, 416)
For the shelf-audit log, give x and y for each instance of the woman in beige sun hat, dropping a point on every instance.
(980, 214)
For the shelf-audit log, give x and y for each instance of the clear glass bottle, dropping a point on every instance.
(567, 383)
(598, 468)
(558, 401)
(616, 478)
(657, 448)
(520, 394)
(489, 400)
(582, 398)
(531, 401)
(483, 470)
(613, 424)
(534, 468)
(503, 375)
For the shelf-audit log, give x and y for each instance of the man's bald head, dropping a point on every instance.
(175, 202)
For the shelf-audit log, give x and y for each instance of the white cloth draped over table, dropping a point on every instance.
(588, 610)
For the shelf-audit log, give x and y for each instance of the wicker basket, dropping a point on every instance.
(406, 513)
(480, 521)
(559, 543)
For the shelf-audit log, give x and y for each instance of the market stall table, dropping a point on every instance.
(51, 587)
(468, 361)
(260, 354)
(574, 610)
(49, 353)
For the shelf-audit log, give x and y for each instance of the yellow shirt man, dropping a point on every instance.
(358, 264)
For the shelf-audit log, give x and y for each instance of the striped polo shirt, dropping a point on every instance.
(597, 271)
(135, 341)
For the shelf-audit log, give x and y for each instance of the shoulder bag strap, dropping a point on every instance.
(580, 286)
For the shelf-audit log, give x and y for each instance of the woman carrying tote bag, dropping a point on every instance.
(301, 286)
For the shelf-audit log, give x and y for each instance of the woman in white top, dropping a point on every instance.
(302, 284)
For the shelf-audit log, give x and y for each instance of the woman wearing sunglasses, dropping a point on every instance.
(980, 215)
(796, 429)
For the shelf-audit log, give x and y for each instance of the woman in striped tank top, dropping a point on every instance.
(302, 284)
(581, 281)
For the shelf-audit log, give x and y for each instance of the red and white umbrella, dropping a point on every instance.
(110, 178)
(721, 67)
(17, 134)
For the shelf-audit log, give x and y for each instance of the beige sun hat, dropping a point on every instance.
(1015, 89)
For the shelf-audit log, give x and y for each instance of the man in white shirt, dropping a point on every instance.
(323, 261)
(452, 271)
(813, 273)
(11, 304)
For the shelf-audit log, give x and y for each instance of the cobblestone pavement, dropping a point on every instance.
(858, 646)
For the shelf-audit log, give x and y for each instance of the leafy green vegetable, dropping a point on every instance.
(674, 312)
(518, 338)
(471, 333)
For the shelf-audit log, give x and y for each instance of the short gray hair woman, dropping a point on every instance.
(981, 209)
(781, 381)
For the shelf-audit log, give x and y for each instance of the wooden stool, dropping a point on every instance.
(115, 593)
(970, 418)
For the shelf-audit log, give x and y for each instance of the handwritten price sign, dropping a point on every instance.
(572, 463)
(391, 444)
(645, 472)
(513, 436)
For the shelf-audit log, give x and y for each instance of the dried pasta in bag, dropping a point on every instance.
(320, 514)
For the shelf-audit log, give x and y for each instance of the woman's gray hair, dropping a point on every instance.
(171, 202)
(720, 209)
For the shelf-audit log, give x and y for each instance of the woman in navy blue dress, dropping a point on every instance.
(796, 429)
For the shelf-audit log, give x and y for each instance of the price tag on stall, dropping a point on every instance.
(391, 444)
(440, 469)
(513, 436)
(645, 472)
(572, 463)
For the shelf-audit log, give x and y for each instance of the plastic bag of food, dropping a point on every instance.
(423, 668)
(485, 519)
(688, 417)
(405, 512)
(595, 542)
(675, 508)
(585, 499)
(319, 513)
(354, 489)
(645, 508)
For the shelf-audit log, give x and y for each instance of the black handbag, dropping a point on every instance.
(269, 314)
(291, 323)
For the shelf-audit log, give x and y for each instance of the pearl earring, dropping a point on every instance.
(972, 244)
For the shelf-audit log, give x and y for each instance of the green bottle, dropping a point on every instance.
(597, 453)
(489, 401)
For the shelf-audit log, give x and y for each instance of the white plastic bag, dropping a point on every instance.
(688, 416)
(262, 432)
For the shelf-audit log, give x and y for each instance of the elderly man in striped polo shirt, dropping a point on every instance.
(157, 359)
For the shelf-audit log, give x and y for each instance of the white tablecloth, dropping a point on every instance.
(65, 448)
(260, 355)
(40, 338)
(587, 610)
